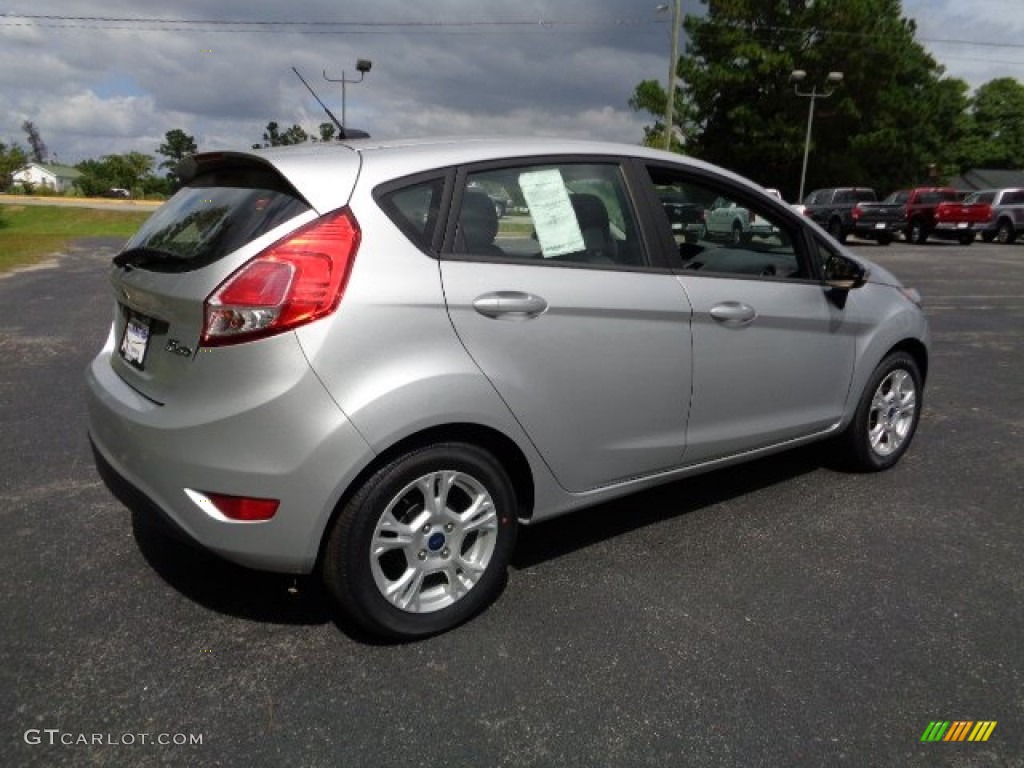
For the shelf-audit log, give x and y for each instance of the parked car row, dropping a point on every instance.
(918, 214)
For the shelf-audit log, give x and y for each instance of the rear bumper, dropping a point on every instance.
(952, 230)
(874, 229)
(296, 446)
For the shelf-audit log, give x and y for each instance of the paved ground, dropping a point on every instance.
(782, 614)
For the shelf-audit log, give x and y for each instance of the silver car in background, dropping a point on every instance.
(335, 359)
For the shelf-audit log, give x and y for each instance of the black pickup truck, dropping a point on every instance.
(882, 222)
(833, 208)
(686, 217)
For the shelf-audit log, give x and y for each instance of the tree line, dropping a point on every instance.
(895, 120)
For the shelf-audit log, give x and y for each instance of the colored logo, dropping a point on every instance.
(958, 730)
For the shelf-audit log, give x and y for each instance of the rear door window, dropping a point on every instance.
(571, 213)
(215, 214)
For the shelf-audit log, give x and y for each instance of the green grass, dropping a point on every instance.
(31, 233)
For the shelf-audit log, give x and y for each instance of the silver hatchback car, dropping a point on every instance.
(336, 359)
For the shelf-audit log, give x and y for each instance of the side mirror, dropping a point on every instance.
(843, 274)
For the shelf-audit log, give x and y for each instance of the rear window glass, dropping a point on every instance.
(937, 196)
(897, 198)
(415, 209)
(981, 197)
(215, 214)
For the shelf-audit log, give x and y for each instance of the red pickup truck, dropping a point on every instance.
(928, 212)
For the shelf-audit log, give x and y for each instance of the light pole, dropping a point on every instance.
(797, 77)
(362, 67)
(672, 64)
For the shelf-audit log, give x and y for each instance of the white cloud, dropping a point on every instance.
(93, 89)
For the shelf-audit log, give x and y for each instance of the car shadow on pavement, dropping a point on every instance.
(234, 590)
(578, 530)
(225, 587)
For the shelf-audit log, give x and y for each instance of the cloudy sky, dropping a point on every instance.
(116, 84)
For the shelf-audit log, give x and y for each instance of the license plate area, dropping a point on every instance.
(135, 340)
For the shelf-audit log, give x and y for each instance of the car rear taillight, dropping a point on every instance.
(857, 211)
(243, 507)
(293, 282)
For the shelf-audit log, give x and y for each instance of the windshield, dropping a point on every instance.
(215, 214)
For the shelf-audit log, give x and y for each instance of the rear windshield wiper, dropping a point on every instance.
(146, 257)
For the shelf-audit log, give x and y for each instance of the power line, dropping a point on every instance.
(142, 24)
(42, 20)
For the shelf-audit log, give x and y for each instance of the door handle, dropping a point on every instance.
(510, 305)
(734, 313)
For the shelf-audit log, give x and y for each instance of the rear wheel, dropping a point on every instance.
(835, 228)
(1006, 234)
(737, 233)
(424, 544)
(967, 239)
(887, 415)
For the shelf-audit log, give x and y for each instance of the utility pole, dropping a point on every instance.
(831, 82)
(672, 65)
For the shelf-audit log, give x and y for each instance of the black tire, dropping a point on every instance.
(917, 232)
(988, 237)
(737, 234)
(453, 573)
(835, 228)
(886, 417)
(1006, 234)
(966, 239)
(884, 239)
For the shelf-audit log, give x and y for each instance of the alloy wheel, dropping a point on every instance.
(434, 541)
(892, 412)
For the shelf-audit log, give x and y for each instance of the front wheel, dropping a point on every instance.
(424, 544)
(887, 415)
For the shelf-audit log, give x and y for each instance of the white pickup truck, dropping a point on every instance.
(729, 221)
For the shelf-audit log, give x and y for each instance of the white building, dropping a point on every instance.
(59, 178)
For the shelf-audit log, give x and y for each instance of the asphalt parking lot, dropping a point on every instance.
(784, 613)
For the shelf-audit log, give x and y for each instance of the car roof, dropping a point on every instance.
(374, 161)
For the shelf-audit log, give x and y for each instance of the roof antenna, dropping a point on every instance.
(341, 128)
